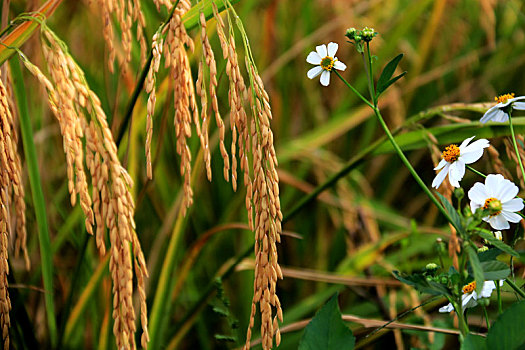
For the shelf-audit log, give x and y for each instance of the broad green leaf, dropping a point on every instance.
(497, 243)
(421, 284)
(327, 330)
(474, 342)
(507, 332)
(490, 254)
(495, 270)
(477, 270)
(451, 212)
(384, 79)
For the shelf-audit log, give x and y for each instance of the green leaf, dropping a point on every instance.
(421, 284)
(384, 80)
(507, 332)
(474, 342)
(327, 330)
(490, 254)
(497, 243)
(452, 212)
(495, 270)
(390, 82)
(477, 270)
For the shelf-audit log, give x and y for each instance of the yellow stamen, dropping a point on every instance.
(494, 205)
(327, 63)
(451, 153)
(503, 98)
(469, 288)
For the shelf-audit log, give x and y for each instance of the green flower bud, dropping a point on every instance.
(350, 33)
(441, 247)
(459, 193)
(483, 249)
(368, 34)
(483, 302)
(431, 267)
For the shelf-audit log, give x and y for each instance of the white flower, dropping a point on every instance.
(470, 297)
(325, 62)
(498, 113)
(498, 235)
(497, 194)
(455, 158)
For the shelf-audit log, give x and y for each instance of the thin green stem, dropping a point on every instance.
(498, 291)
(371, 75)
(518, 156)
(38, 198)
(475, 171)
(515, 287)
(401, 155)
(353, 89)
(486, 317)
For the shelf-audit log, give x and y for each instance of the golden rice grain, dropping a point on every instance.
(81, 117)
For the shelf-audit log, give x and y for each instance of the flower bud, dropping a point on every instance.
(483, 302)
(483, 249)
(459, 193)
(441, 247)
(368, 34)
(350, 33)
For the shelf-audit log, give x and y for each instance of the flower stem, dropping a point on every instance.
(353, 89)
(516, 146)
(401, 155)
(475, 171)
(371, 75)
(486, 317)
(498, 290)
(515, 287)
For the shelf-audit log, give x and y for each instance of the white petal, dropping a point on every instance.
(469, 300)
(312, 73)
(489, 115)
(507, 191)
(493, 183)
(313, 58)
(325, 78)
(478, 194)
(456, 172)
(465, 143)
(441, 164)
(321, 50)
(501, 117)
(486, 290)
(332, 49)
(339, 65)
(498, 222)
(519, 106)
(512, 217)
(439, 178)
(446, 308)
(516, 99)
(513, 205)
(478, 144)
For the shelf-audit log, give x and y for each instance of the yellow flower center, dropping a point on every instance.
(469, 288)
(451, 153)
(494, 205)
(327, 63)
(503, 98)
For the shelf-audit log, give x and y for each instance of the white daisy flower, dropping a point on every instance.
(497, 194)
(325, 61)
(455, 158)
(470, 297)
(499, 113)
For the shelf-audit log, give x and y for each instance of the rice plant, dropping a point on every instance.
(262, 174)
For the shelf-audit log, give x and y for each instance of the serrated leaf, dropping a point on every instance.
(456, 219)
(421, 284)
(507, 332)
(327, 330)
(490, 254)
(386, 74)
(497, 243)
(495, 270)
(477, 270)
(474, 342)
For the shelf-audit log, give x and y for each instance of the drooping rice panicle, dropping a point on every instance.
(150, 82)
(81, 117)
